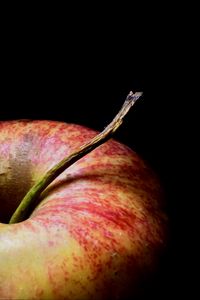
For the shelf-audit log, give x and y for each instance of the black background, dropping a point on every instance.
(81, 71)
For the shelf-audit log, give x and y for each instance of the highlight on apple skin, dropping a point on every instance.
(99, 228)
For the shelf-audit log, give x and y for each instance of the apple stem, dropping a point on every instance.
(30, 198)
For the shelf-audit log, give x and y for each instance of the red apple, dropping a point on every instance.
(99, 228)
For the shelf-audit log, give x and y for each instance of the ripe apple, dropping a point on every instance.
(99, 227)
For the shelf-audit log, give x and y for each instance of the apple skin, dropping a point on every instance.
(100, 227)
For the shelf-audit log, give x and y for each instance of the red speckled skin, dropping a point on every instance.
(99, 227)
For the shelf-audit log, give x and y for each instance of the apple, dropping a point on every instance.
(99, 228)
